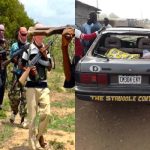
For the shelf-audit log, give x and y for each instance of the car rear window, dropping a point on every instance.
(123, 46)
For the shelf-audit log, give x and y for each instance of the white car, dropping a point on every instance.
(116, 67)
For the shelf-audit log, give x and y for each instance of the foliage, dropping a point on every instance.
(57, 145)
(56, 51)
(2, 114)
(6, 107)
(6, 132)
(66, 123)
(5, 129)
(13, 15)
(56, 76)
(66, 104)
(112, 15)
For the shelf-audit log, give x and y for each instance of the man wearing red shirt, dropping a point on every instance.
(79, 49)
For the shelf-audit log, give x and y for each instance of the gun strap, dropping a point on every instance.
(29, 53)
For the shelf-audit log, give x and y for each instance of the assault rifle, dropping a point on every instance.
(18, 52)
(36, 59)
(47, 31)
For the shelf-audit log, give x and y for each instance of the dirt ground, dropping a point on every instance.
(112, 125)
(19, 139)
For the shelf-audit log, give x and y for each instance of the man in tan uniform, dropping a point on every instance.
(37, 93)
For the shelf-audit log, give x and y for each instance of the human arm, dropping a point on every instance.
(80, 35)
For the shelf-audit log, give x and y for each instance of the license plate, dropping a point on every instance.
(123, 79)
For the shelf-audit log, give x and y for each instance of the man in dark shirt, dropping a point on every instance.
(3, 57)
(91, 26)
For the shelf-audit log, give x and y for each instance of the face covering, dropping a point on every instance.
(22, 35)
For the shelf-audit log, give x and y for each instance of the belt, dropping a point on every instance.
(36, 84)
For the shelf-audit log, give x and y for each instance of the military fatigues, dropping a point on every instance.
(16, 93)
(17, 99)
(37, 95)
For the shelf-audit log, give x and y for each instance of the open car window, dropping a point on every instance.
(123, 46)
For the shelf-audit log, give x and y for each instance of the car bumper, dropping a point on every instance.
(113, 96)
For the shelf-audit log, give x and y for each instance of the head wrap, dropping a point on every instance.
(2, 29)
(38, 39)
(22, 34)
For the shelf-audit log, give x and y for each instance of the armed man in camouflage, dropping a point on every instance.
(17, 91)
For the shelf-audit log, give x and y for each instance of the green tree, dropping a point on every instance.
(113, 15)
(13, 15)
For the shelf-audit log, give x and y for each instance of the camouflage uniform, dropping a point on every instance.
(17, 91)
(17, 99)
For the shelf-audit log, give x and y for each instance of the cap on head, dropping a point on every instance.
(22, 34)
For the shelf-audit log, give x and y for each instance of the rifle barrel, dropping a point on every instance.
(6, 62)
(21, 50)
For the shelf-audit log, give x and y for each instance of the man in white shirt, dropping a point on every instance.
(106, 23)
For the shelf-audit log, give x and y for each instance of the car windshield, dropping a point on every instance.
(122, 46)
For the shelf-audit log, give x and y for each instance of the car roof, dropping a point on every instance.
(127, 30)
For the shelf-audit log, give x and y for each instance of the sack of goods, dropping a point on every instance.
(119, 54)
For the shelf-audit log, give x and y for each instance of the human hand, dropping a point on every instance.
(100, 30)
(33, 71)
(77, 33)
(67, 36)
(43, 51)
(15, 60)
